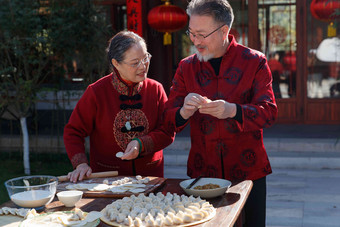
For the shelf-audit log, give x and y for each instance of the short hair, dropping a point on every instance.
(120, 43)
(220, 10)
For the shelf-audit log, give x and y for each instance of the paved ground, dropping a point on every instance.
(304, 188)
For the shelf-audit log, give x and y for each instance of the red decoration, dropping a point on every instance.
(290, 61)
(277, 34)
(134, 16)
(325, 10)
(167, 18)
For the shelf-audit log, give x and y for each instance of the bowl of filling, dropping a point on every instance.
(206, 187)
(32, 191)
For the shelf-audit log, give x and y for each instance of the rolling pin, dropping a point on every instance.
(93, 175)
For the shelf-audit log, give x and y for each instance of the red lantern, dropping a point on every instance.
(325, 10)
(167, 18)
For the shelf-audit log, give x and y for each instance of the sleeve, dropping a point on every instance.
(80, 125)
(178, 92)
(262, 110)
(162, 136)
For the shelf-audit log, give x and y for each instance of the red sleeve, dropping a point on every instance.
(80, 126)
(161, 136)
(261, 112)
(176, 100)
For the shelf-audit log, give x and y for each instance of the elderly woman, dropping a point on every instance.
(121, 112)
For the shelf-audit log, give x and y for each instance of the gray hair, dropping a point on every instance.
(220, 10)
(120, 43)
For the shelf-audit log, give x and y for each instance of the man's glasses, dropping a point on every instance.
(199, 36)
(143, 61)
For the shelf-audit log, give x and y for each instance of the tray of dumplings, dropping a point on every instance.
(158, 210)
(115, 187)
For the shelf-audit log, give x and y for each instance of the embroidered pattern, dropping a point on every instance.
(136, 118)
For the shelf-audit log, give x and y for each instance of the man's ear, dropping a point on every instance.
(226, 31)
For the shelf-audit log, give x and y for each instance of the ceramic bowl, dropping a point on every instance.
(206, 193)
(69, 198)
(32, 191)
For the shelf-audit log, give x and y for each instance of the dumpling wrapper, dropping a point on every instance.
(99, 187)
(93, 215)
(137, 190)
(118, 190)
(119, 154)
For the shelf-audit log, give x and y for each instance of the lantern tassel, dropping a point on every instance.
(167, 38)
(331, 30)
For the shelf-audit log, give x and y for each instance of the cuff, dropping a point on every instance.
(238, 116)
(179, 119)
(78, 159)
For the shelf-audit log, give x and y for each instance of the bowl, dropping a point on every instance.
(206, 193)
(69, 198)
(32, 191)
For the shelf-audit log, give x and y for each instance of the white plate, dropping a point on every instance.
(207, 193)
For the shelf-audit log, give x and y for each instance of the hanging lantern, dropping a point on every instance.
(167, 18)
(325, 10)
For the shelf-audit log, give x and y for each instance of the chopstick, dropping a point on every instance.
(194, 182)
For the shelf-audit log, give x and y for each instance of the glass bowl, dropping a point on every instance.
(32, 191)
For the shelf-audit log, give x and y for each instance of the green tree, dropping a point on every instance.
(40, 40)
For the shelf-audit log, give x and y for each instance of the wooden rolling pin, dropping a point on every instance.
(93, 175)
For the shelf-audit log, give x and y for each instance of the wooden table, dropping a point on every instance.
(229, 207)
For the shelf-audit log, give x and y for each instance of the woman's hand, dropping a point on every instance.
(131, 151)
(82, 170)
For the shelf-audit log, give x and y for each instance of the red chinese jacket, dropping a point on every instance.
(102, 114)
(226, 148)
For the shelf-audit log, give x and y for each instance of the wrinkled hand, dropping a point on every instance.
(131, 151)
(78, 174)
(191, 104)
(219, 108)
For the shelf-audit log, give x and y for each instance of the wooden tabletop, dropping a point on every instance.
(229, 206)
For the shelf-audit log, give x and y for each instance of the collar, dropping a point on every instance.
(123, 87)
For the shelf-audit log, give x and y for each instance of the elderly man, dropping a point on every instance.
(225, 92)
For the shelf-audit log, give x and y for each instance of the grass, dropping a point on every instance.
(11, 165)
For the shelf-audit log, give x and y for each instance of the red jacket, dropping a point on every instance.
(102, 113)
(226, 148)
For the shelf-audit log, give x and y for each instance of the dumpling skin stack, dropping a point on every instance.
(158, 210)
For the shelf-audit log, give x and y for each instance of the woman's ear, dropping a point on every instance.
(114, 62)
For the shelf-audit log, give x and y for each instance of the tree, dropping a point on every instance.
(40, 40)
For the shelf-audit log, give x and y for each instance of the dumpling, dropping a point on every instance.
(138, 222)
(188, 217)
(193, 208)
(128, 221)
(112, 216)
(177, 220)
(168, 221)
(198, 216)
(120, 218)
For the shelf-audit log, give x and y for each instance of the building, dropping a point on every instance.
(306, 84)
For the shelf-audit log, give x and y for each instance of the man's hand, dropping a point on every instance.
(82, 170)
(191, 104)
(131, 151)
(219, 108)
